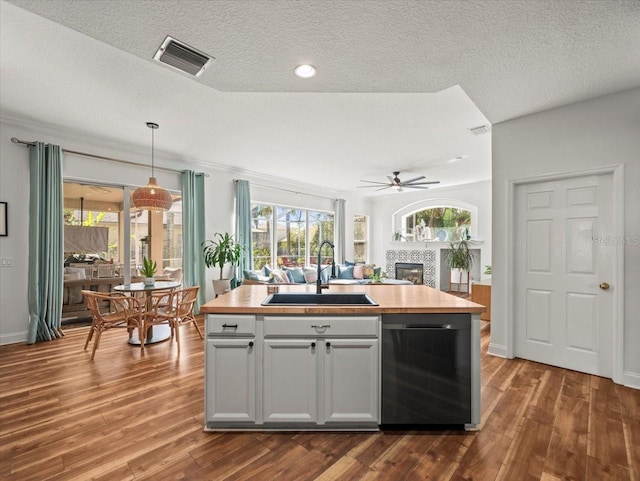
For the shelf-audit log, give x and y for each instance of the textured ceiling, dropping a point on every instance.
(399, 83)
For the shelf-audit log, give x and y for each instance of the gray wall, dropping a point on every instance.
(592, 134)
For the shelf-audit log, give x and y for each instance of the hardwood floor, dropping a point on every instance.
(130, 417)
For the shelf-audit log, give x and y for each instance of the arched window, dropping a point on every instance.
(437, 220)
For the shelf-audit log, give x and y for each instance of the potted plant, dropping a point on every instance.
(222, 250)
(460, 260)
(148, 270)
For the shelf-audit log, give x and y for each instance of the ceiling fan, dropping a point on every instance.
(399, 184)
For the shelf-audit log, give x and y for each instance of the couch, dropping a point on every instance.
(348, 273)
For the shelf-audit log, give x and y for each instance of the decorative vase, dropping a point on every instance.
(149, 281)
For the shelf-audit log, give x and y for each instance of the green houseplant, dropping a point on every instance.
(460, 260)
(218, 252)
(148, 270)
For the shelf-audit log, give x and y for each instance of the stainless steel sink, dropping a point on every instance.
(308, 298)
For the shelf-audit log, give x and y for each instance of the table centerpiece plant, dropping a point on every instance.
(148, 271)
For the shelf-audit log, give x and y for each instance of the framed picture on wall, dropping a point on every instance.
(3, 219)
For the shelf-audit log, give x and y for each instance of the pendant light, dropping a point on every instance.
(152, 196)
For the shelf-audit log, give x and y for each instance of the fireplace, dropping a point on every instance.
(410, 272)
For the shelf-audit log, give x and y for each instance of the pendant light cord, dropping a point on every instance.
(152, 150)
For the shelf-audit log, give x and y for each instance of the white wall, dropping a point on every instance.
(219, 200)
(477, 194)
(586, 135)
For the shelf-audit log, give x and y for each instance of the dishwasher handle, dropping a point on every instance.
(421, 327)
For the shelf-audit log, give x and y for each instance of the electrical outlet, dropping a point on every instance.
(6, 261)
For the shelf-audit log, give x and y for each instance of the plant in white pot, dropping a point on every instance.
(220, 251)
(148, 271)
(460, 260)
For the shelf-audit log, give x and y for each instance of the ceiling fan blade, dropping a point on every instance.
(423, 183)
(391, 180)
(414, 186)
(385, 187)
(369, 186)
(412, 180)
(399, 189)
(374, 182)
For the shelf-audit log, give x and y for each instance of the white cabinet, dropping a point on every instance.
(351, 380)
(290, 380)
(230, 371)
(331, 375)
(283, 372)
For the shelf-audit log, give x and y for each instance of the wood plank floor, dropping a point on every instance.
(128, 416)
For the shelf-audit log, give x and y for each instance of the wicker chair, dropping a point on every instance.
(125, 312)
(174, 308)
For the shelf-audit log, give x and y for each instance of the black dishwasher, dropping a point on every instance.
(426, 369)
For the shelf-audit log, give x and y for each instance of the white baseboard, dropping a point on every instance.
(631, 379)
(497, 350)
(13, 338)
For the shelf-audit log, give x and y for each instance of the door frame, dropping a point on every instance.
(617, 173)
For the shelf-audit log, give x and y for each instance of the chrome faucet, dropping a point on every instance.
(319, 285)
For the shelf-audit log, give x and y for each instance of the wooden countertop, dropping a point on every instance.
(402, 299)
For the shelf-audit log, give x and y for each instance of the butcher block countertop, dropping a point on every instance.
(398, 299)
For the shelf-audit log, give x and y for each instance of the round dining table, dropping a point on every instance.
(158, 332)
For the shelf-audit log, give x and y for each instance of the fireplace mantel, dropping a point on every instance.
(432, 256)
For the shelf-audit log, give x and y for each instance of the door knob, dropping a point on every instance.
(604, 286)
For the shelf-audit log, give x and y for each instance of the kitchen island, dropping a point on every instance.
(323, 367)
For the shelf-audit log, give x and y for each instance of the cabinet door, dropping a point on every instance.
(290, 380)
(231, 380)
(351, 383)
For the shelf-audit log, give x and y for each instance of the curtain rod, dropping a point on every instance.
(287, 190)
(101, 157)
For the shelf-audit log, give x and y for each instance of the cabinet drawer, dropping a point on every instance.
(325, 326)
(228, 325)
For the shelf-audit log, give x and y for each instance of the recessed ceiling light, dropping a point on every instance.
(305, 71)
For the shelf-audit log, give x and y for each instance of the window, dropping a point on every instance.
(360, 234)
(439, 224)
(295, 239)
(292, 228)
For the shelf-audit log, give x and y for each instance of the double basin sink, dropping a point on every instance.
(308, 298)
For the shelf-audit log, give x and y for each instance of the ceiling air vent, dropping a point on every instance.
(182, 57)
(483, 129)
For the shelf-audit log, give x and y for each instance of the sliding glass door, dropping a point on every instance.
(95, 217)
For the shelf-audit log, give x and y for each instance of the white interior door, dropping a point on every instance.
(563, 249)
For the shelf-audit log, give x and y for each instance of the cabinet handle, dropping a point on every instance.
(328, 344)
(313, 344)
(251, 344)
(321, 326)
(232, 326)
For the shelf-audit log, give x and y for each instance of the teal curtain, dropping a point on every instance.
(243, 224)
(339, 229)
(46, 256)
(193, 267)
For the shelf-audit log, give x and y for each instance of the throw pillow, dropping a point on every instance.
(280, 276)
(358, 272)
(297, 275)
(368, 270)
(349, 263)
(266, 270)
(251, 275)
(346, 272)
(310, 275)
